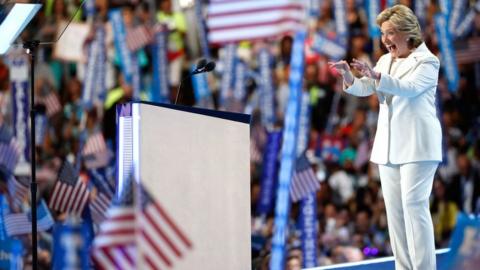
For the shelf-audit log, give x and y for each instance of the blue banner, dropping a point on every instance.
(448, 54)
(71, 247)
(288, 156)
(40, 128)
(308, 223)
(227, 74)
(266, 97)
(4, 209)
(90, 9)
(136, 77)
(464, 244)
(160, 87)
(304, 124)
(391, 3)
(314, 8)
(94, 88)
(269, 172)
(373, 9)
(341, 23)
(121, 48)
(201, 90)
(11, 254)
(239, 91)
(420, 8)
(332, 48)
(466, 25)
(100, 92)
(445, 7)
(458, 11)
(202, 32)
(19, 81)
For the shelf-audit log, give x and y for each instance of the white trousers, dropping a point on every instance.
(406, 189)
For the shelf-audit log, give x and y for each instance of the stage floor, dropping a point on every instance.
(378, 264)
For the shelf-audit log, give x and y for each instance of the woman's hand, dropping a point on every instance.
(344, 69)
(365, 69)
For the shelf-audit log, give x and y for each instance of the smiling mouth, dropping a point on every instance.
(391, 47)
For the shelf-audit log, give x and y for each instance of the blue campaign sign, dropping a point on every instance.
(464, 245)
(4, 209)
(11, 254)
(70, 250)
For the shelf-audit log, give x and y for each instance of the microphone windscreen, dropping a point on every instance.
(210, 66)
(201, 63)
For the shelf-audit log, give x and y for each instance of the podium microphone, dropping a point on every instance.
(202, 66)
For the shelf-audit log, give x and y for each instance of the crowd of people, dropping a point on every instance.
(352, 223)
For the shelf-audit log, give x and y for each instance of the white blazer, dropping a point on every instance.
(408, 129)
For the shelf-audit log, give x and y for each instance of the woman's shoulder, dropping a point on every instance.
(423, 54)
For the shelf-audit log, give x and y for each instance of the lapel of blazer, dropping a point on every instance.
(411, 61)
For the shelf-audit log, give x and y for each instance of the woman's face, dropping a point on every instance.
(395, 41)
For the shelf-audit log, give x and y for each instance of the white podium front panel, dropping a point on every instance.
(195, 166)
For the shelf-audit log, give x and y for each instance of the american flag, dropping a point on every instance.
(99, 204)
(304, 180)
(114, 245)
(104, 179)
(101, 199)
(21, 223)
(70, 193)
(95, 144)
(52, 103)
(9, 154)
(469, 51)
(138, 37)
(98, 160)
(236, 20)
(161, 240)
(17, 191)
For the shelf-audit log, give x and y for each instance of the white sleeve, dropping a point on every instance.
(424, 77)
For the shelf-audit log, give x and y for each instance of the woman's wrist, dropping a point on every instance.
(348, 78)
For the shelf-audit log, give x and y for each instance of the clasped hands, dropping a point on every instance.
(363, 68)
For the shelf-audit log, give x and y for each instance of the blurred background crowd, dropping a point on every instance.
(350, 211)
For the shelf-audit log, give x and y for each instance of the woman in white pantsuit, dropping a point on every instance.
(407, 146)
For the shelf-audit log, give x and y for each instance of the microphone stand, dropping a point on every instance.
(31, 47)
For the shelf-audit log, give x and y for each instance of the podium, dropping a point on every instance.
(194, 164)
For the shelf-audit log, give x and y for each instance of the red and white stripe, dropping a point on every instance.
(114, 245)
(95, 144)
(67, 198)
(9, 154)
(52, 104)
(138, 37)
(162, 242)
(303, 183)
(470, 53)
(237, 20)
(17, 191)
(99, 206)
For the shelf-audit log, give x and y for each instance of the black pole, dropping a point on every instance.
(31, 46)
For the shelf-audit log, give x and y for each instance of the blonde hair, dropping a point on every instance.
(404, 21)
